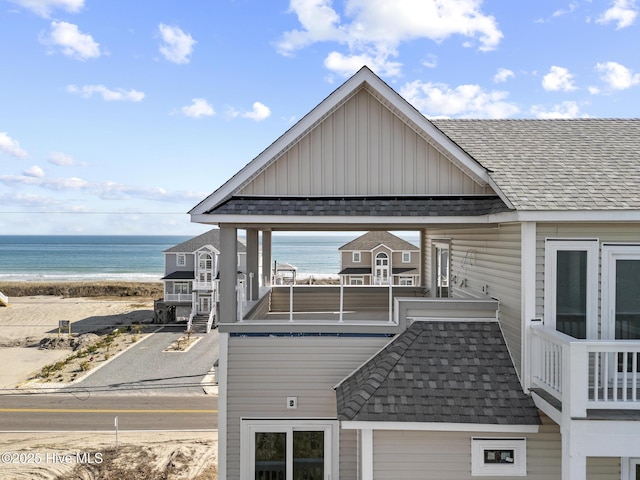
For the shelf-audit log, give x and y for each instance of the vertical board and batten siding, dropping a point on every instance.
(603, 232)
(264, 371)
(362, 148)
(410, 455)
(487, 257)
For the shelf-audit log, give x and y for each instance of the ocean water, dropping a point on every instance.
(140, 258)
(74, 258)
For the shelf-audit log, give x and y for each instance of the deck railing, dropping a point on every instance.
(585, 374)
(178, 297)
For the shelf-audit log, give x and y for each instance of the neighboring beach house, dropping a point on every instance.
(379, 258)
(191, 271)
(527, 367)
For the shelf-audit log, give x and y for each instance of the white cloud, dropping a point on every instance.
(260, 112)
(177, 46)
(73, 43)
(11, 146)
(34, 171)
(465, 101)
(570, 9)
(106, 190)
(617, 76)
(502, 75)
(622, 12)
(565, 109)
(109, 95)
(558, 78)
(347, 65)
(380, 26)
(431, 61)
(198, 108)
(61, 159)
(44, 7)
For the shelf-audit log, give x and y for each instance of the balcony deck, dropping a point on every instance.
(583, 378)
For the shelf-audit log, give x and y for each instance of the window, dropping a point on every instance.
(406, 281)
(181, 260)
(406, 257)
(182, 288)
(356, 257)
(205, 261)
(498, 457)
(356, 281)
(571, 287)
(288, 450)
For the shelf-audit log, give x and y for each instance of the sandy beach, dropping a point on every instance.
(28, 319)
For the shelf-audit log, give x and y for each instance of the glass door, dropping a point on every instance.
(382, 269)
(442, 269)
(621, 292)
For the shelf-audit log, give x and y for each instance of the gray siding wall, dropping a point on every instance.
(402, 455)
(362, 148)
(264, 371)
(486, 258)
(170, 263)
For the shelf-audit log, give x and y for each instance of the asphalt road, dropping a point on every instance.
(67, 412)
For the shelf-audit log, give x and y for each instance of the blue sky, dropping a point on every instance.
(117, 117)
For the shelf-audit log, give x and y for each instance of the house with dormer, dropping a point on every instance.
(526, 366)
(379, 258)
(190, 278)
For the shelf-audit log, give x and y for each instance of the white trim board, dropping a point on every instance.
(439, 427)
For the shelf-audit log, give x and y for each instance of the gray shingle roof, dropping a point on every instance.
(581, 164)
(394, 206)
(452, 372)
(212, 237)
(181, 275)
(371, 240)
(367, 270)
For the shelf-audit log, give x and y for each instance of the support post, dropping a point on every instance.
(252, 264)
(228, 274)
(366, 454)
(266, 258)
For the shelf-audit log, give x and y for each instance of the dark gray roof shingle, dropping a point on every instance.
(393, 206)
(441, 371)
(371, 240)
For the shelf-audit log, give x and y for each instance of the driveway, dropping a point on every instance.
(145, 369)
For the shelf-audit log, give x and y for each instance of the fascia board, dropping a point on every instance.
(439, 427)
(340, 221)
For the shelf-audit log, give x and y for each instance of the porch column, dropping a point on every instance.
(423, 257)
(266, 258)
(252, 264)
(228, 274)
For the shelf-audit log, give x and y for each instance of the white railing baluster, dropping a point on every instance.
(596, 375)
(624, 376)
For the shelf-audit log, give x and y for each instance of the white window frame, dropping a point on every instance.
(552, 247)
(181, 259)
(628, 470)
(179, 286)
(249, 427)
(610, 253)
(406, 257)
(405, 280)
(516, 469)
(356, 280)
(356, 257)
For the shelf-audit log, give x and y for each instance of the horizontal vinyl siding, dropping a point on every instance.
(362, 148)
(264, 371)
(402, 455)
(487, 257)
